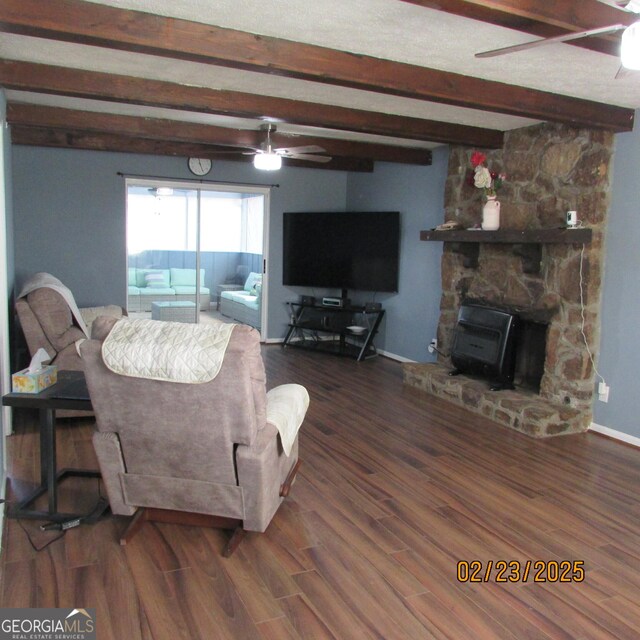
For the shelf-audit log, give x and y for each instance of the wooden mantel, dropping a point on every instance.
(526, 243)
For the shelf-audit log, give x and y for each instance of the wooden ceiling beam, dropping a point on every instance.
(542, 19)
(28, 76)
(104, 141)
(89, 23)
(180, 131)
(566, 14)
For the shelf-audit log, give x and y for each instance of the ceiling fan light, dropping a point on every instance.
(630, 47)
(267, 161)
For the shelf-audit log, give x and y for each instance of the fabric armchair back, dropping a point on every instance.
(171, 428)
(50, 319)
(202, 448)
(47, 322)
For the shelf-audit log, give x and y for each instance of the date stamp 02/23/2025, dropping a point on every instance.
(520, 571)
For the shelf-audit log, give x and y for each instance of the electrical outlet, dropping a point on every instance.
(433, 345)
(603, 392)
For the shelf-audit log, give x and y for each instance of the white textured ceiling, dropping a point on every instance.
(416, 35)
(388, 29)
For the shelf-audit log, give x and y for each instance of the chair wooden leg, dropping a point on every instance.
(168, 516)
(286, 485)
(234, 541)
(135, 524)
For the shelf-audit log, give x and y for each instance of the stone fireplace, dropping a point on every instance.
(550, 169)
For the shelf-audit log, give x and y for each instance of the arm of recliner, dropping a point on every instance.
(287, 406)
(89, 314)
(262, 468)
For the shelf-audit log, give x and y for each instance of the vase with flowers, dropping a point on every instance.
(489, 182)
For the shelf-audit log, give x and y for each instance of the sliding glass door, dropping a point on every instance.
(196, 253)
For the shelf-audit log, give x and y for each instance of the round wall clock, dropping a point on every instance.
(199, 166)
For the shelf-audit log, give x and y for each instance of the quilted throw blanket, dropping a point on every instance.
(171, 351)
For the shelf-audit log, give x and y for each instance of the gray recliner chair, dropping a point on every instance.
(199, 454)
(48, 322)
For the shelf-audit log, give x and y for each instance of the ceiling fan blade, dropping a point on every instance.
(306, 156)
(544, 41)
(312, 148)
(623, 72)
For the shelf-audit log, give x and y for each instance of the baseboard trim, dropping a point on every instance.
(616, 435)
(386, 354)
(393, 356)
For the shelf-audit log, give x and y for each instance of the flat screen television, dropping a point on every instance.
(342, 250)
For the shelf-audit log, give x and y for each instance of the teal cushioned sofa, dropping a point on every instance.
(244, 305)
(146, 286)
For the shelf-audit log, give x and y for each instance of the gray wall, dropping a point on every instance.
(6, 237)
(69, 219)
(7, 162)
(69, 213)
(619, 358)
(418, 193)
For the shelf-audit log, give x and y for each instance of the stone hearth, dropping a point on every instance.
(550, 169)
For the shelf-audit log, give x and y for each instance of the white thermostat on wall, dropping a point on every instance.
(199, 166)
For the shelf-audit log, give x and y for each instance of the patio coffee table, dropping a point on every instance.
(180, 311)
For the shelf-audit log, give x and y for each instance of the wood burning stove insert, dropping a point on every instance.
(484, 343)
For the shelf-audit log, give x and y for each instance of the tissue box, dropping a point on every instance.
(25, 382)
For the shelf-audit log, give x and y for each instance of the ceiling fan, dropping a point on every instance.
(269, 158)
(629, 49)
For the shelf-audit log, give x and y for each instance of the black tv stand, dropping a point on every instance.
(327, 329)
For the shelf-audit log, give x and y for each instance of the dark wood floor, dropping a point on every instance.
(396, 488)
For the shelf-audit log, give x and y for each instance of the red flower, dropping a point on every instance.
(477, 158)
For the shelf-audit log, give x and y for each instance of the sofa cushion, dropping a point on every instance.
(155, 280)
(140, 281)
(133, 291)
(236, 296)
(252, 302)
(141, 276)
(185, 277)
(131, 271)
(242, 297)
(165, 291)
(189, 291)
(251, 281)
